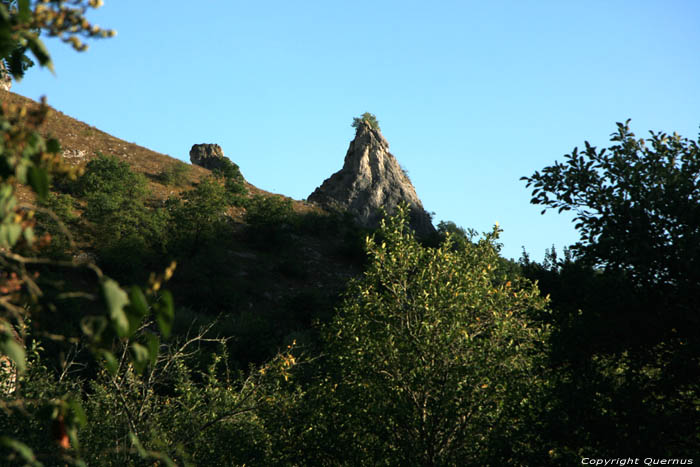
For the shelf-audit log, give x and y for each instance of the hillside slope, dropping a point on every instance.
(82, 142)
(267, 284)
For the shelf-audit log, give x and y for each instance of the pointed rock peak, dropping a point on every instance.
(369, 135)
(371, 179)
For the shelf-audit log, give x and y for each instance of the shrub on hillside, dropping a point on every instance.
(175, 174)
(129, 236)
(270, 219)
(196, 217)
(108, 174)
(233, 181)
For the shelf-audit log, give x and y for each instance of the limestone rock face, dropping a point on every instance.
(209, 156)
(370, 179)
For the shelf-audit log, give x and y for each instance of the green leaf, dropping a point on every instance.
(20, 448)
(24, 13)
(93, 326)
(137, 445)
(140, 356)
(39, 50)
(4, 14)
(39, 180)
(10, 347)
(77, 412)
(153, 343)
(116, 299)
(137, 309)
(16, 63)
(137, 301)
(29, 235)
(165, 313)
(9, 234)
(144, 454)
(110, 362)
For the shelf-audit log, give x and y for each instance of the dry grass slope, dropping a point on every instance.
(83, 142)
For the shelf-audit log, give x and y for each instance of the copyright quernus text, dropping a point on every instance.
(622, 461)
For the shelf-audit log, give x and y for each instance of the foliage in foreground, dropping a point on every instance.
(28, 158)
(174, 410)
(431, 360)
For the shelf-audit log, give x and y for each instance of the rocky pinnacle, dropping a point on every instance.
(371, 179)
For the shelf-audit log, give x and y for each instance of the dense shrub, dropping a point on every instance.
(130, 237)
(368, 118)
(175, 174)
(108, 174)
(175, 410)
(233, 181)
(270, 220)
(197, 216)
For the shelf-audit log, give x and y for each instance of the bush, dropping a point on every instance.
(107, 174)
(233, 181)
(129, 236)
(196, 218)
(270, 220)
(368, 118)
(188, 406)
(175, 174)
(115, 197)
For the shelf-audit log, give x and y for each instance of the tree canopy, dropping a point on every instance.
(433, 357)
(637, 205)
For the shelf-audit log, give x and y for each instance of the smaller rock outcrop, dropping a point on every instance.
(209, 156)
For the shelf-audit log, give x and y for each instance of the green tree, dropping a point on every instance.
(115, 196)
(625, 309)
(368, 118)
(637, 206)
(196, 218)
(233, 181)
(175, 174)
(432, 359)
(130, 236)
(270, 220)
(458, 235)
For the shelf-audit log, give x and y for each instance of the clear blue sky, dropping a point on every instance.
(470, 95)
